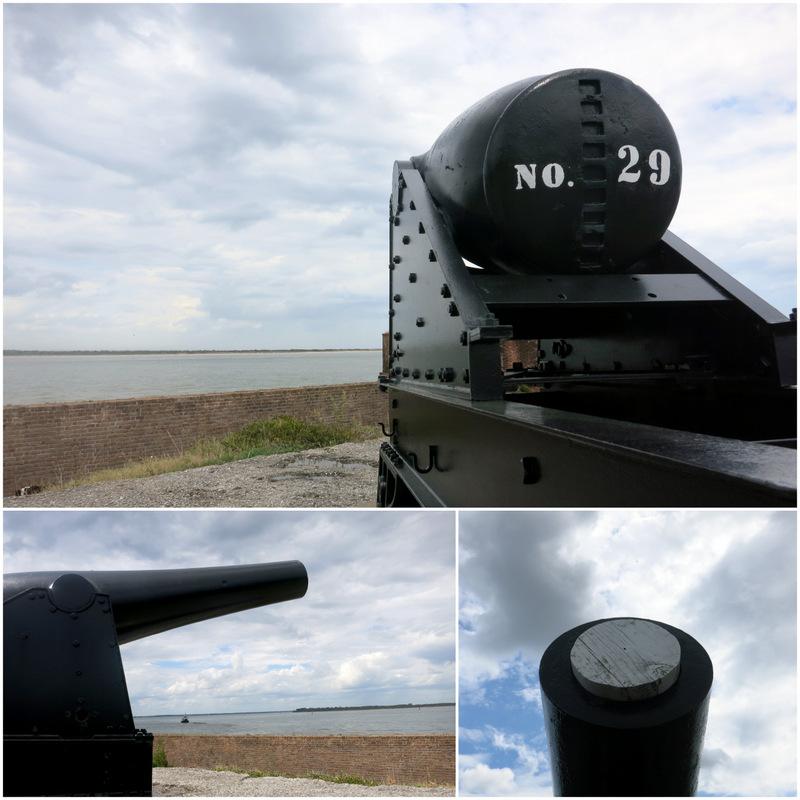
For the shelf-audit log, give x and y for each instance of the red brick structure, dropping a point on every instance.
(412, 760)
(49, 443)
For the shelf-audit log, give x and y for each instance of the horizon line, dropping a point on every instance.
(16, 351)
(399, 706)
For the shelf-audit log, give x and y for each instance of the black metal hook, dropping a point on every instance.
(392, 432)
(433, 452)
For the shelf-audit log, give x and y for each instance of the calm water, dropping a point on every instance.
(438, 719)
(62, 379)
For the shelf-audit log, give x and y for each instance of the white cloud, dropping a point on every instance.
(532, 694)
(366, 666)
(533, 761)
(481, 780)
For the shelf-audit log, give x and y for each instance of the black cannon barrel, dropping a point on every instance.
(146, 602)
(65, 699)
(625, 705)
(565, 173)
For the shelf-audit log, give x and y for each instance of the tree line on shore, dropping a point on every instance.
(368, 708)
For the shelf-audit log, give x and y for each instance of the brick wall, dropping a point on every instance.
(46, 444)
(421, 760)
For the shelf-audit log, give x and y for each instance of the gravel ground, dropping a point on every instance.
(343, 476)
(194, 782)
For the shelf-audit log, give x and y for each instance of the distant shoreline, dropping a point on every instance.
(373, 708)
(296, 710)
(183, 352)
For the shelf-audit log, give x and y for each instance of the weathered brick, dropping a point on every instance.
(417, 760)
(48, 443)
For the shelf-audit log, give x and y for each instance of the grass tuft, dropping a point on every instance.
(283, 434)
(159, 755)
(340, 779)
(288, 432)
(311, 775)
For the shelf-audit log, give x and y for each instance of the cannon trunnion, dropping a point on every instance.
(68, 724)
(551, 342)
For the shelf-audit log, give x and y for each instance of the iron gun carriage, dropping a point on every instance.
(551, 342)
(68, 724)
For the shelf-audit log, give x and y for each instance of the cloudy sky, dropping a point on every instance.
(726, 578)
(376, 626)
(217, 176)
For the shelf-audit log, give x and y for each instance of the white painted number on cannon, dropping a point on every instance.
(627, 175)
(553, 175)
(658, 161)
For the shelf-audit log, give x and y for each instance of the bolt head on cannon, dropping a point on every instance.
(574, 172)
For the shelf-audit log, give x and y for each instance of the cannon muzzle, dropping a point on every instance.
(625, 704)
(146, 602)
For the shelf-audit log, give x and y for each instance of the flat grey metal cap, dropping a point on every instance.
(626, 659)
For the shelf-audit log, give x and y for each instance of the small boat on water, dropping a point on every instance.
(185, 718)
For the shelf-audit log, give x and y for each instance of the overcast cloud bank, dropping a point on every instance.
(217, 175)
